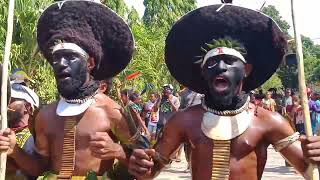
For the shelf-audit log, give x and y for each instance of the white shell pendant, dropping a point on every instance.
(225, 127)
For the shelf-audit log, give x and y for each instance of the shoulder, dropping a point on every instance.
(107, 105)
(47, 112)
(270, 119)
(276, 127)
(189, 116)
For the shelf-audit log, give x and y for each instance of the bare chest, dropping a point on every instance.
(248, 153)
(83, 128)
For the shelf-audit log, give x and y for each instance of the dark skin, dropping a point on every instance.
(248, 151)
(18, 116)
(95, 148)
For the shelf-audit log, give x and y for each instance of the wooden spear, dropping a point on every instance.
(313, 173)
(4, 85)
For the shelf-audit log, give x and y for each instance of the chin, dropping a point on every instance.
(223, 98)
(68, 91)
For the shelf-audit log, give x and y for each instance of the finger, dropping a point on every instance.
(142, 162)
(312, 139)
(315, 145)
(4, 138)
(150, 152)
(98, 150)
(7, 132)
(98, 144)
(102, 156)
(141, 171)
(4, 148)
(313, 153)
(140, 154)
(314, 160)
(145, 163)
(4, 143)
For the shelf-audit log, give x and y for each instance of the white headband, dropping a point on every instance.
(220, 51)
(70, 46)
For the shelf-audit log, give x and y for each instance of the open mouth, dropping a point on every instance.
(63, 75)
(221, 83)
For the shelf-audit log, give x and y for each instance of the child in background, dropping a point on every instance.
(298, 115)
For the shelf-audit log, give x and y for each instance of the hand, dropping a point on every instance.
(7, 141)
(311, 148)
(140, 163)
(103, 147)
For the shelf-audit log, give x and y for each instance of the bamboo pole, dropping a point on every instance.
(4, 85)
(313, 173)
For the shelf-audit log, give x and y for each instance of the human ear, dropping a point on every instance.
(91, 63)
(248, 69)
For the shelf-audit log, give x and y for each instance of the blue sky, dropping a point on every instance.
(308, 13)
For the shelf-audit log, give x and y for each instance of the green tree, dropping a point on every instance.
(311, 52)
(133, 17)
(119, 6)
(275, 15)
(273, 82)
(163, 13)
(24, 45)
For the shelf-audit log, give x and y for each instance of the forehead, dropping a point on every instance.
(65, 51)
(226, 57)
(14, 101)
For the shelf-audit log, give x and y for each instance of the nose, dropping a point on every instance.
(222, 66)
(61, 63)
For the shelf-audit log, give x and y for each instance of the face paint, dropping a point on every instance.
(71, 72)
(224, 75)
(16, 112)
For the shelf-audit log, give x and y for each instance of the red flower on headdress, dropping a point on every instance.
(133, 75)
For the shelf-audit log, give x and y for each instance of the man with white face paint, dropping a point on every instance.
(225, 51)
(85, 42)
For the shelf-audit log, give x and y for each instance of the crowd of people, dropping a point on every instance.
(289, 105)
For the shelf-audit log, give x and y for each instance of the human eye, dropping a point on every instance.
(211, 63)
(229, 61)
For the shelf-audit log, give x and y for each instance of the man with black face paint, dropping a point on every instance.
(224, 52)
(22, 104)
(84, 42)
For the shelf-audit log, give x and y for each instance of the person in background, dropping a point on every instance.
(134, 103)
(259, 98)
(287, 102)
(124, 96)
(298, 115)
(152, 113)
(268, 102)
(314, 112)
(189, 98)
(22, 105)
(169, 104)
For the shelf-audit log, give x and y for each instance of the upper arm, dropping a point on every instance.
(280, 129)
(120, 124)
(171, 138)
(41, 140)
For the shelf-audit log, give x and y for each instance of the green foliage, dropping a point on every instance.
(273, 82)
(311, 53)
(148, 59)
(230, 43)
(163, 13)
(275, 15)
(24, 45)
(133, 17)
(119, 6)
